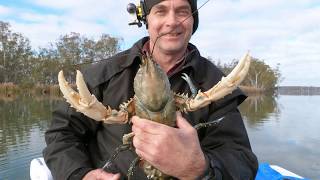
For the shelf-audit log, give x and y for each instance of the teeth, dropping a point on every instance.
(175, 34)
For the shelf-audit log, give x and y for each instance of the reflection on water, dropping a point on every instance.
(23, 122)
(258, 108)
(282, 131)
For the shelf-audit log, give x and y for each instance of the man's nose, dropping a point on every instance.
(172, 20)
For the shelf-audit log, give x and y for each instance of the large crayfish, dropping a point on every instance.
(153, 99)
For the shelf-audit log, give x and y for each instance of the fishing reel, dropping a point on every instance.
(138, 12)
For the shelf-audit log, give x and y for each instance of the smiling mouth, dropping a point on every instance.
(173, 34)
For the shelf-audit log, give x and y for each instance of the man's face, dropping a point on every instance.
(170, 16)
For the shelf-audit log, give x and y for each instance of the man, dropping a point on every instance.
(77, 146)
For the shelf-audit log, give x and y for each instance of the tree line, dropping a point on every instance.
(20, 64)
(261, 76)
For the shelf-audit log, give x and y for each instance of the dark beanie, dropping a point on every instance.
(148, 4)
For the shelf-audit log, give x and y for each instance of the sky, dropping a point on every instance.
(279, 32)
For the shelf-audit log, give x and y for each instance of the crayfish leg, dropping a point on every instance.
(133, 164)
(127, 138)
(208, 124)
(123, 147)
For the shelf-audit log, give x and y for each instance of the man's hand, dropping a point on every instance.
(174, 151)
(100, 174)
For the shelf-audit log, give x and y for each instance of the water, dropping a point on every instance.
(282, 131)
(23, 121)
(285, 132)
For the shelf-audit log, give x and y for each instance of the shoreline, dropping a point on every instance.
(10, 90)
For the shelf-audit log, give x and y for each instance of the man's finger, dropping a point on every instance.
(147, 125)
(144, 136)
(140, 143)
(108, 176)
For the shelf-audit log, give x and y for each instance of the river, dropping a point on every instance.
(283, 130)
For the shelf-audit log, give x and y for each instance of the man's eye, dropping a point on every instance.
(160, 12)
(184, 13)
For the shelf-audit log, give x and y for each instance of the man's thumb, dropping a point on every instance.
(116, 176)
(182, 122)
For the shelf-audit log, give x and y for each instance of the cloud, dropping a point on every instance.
(66, 4)
(4, 11)
(277, 31)
(90, 18)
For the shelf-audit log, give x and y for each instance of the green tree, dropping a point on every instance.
(47, 66)
(106, 46)
(260, 74)
(70, 51)
(15, 55)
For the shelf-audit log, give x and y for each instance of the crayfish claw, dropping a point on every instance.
(87, 103)
(192, 87)
(224, 87)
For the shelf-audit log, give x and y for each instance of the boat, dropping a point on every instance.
(275, 172)
(40, 171)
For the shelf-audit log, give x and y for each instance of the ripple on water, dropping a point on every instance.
(15, 161)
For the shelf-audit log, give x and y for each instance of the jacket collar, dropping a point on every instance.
(192, 59)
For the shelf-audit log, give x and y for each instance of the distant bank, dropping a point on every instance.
(10, 89)
(298, 90)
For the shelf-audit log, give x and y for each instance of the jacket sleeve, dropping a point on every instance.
(227, 145)
(67, 139)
